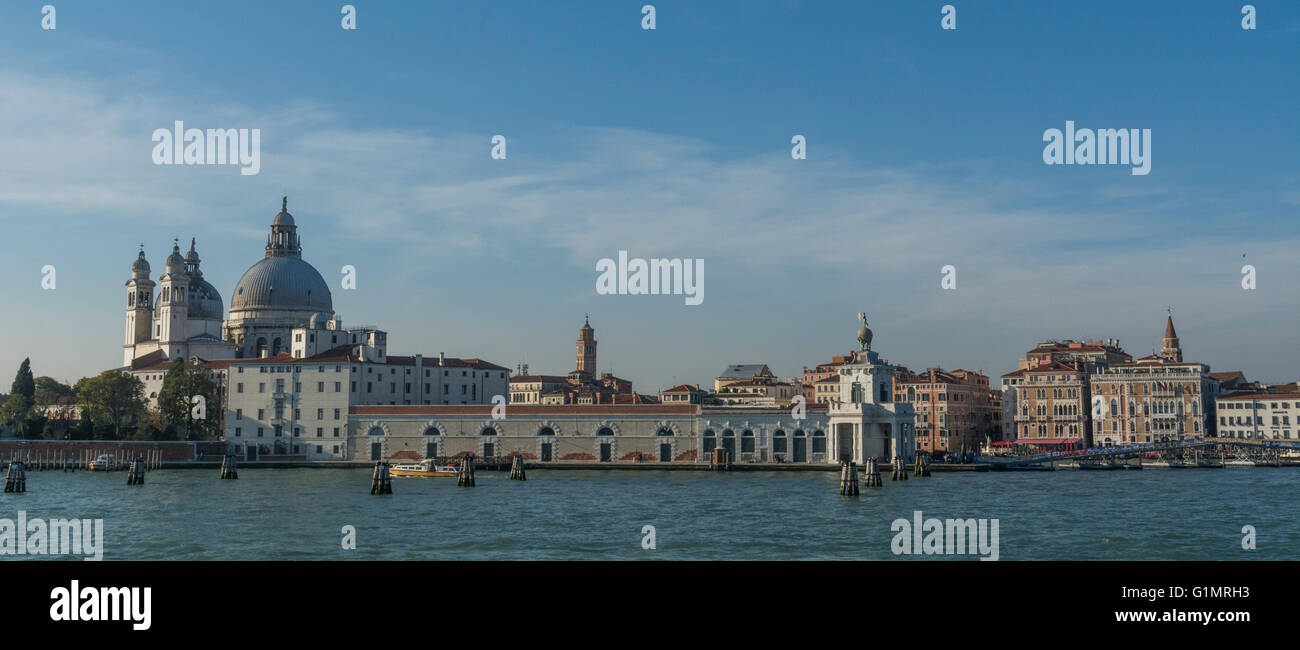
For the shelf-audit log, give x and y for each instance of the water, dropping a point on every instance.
(297, 514)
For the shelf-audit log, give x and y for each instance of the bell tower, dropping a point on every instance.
(173, 308)
(586, 368)
(1169, 347)
(139, 307)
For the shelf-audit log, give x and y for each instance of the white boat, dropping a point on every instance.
(425, 468)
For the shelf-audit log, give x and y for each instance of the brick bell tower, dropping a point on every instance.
(1169, 348)
(586, 368)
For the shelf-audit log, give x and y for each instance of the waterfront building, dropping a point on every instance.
(282, 406)
(953, 409)
(597, 433)
(1259, 415)
(1045, 400)
(865, 421)
(1158, 398)
(1051, 399)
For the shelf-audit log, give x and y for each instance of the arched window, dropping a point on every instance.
(710, 441)
(747, 441)
(488, 431)
(546, 431)
(778, 442)
(819, 442)
(261, 345)
(664, 431)
(604, 431)
(275, 346)
(375, 431)
(432, 431)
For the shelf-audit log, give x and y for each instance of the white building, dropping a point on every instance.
(287, 369)
(865, 422)
(1259, 416)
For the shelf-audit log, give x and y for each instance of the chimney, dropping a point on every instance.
(442, 359)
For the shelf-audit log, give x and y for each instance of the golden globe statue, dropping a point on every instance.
(864, 334)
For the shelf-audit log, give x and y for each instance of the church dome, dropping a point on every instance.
(282, 283)
(204, 301)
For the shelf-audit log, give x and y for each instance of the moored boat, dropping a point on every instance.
(100, 464)
(424, 468)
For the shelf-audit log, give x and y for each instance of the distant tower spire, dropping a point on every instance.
(1170, 350)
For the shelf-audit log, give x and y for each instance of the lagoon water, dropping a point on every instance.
(298, 514)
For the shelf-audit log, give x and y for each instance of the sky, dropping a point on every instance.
(924, 149)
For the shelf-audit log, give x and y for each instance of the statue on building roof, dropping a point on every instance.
(864, 334)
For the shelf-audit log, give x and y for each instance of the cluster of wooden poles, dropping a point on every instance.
(465, 477)
(871, 473)
(135, 474)
(228, 470)
(16, 478)
(380, 480)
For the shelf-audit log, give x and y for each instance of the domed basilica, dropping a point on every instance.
(279, 293)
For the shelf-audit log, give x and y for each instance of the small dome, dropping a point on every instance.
(318, 320)
(192, 257)
(175, 263)
(283, 218)
(140, 265)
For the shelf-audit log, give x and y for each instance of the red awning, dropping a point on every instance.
(1047, 441)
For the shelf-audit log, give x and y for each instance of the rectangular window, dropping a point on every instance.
(320, 432)
(320, 414)
(239, 388)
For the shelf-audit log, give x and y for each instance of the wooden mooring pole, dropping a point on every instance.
(517, 469)
(872, 471)
(921, 466)
(849, 478)
(16, 479)
(228, 469)
(466, 476)
(135, 473)
(900, 469)
(380, 481)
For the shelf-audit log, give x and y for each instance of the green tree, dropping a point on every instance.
(112, 399)
(185, 380)
(15, 413)
(17, 410)
(48, 391)
(85, 429)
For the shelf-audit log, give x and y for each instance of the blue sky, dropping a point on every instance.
(924, 149)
